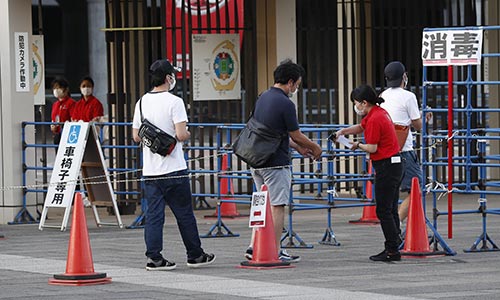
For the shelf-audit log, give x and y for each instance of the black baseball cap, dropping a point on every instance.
(394, 73)
(162, 67)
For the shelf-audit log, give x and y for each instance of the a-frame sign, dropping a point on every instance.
(79, 150)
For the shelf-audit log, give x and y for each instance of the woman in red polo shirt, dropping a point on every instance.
(62, 108)
(88, 108)
(382, 145)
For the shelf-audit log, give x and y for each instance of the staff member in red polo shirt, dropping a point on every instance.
(382, 145)
(62, 108)
(88, 108)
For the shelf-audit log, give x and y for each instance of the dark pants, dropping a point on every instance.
(388, 177)
(176, 193)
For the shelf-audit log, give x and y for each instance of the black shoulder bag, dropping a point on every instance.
(256, 143)
(153, 137)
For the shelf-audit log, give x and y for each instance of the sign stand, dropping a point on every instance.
(79, 151)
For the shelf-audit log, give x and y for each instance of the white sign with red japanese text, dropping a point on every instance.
(67, 165)
(22, 57)
(452, 47)
(258, 209)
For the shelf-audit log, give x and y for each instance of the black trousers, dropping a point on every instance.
(388, 176)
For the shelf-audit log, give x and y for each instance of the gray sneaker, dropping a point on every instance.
(160, 265)
(204, 260)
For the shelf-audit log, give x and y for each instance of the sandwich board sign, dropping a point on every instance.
(79, 152)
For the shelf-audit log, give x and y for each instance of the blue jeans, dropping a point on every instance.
(176, 193)
(388, 177)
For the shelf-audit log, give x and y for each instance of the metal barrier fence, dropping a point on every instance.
(209, 142)
(464, 148)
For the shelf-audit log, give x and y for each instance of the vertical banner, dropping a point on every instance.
(38, 69)
(22, 61)
(216, 66)
(258, 210)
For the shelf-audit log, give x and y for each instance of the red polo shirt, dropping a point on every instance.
(86, 110)
(379, 130)
(61, 110)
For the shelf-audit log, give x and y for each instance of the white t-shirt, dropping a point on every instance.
(402, 106)
(163, 110)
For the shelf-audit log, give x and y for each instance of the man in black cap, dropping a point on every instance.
(402, 106)
(166, 177)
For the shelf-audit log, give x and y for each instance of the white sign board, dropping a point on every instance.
(79, 150)
(22, 61)
(67, 165)
(38, 63)
(216, 66)
(452, 47)
(258, 209)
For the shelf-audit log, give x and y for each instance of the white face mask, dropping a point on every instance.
(291, 94)
(86, 91)
(358, 112)
(172, 84)
(405, 80)
(58, 93)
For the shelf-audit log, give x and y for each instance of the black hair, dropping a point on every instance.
(288, 70)
(89, 79)
(159, 70)
(61, 81)
(366, 92)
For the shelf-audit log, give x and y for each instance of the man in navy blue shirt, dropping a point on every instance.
(275, 109)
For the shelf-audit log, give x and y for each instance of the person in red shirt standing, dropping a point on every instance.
(88, 108)
(62, 108)
(382, 145)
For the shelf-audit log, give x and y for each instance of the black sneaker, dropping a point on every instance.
(204, 260)
(249, 253)
(160, 265)
(386, 256)
(285, 257)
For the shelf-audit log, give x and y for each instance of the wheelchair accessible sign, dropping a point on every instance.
(67, 165)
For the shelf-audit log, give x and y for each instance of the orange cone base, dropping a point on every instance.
(422, 254)
(277, 264)
(77, 280)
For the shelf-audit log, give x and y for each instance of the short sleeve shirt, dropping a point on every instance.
(379, 130)
(87, 110)
(402, 106)
(163, 110)
(275, 110)
(62, 109)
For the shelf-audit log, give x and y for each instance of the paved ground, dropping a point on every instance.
(29, 257)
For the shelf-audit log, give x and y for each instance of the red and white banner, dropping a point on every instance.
(207, 16)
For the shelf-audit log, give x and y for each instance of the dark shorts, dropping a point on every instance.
(411, 168)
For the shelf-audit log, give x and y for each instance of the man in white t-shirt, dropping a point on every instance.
(402, 106)
(166, 179)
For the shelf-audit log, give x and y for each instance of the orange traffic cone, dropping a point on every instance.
(369, 215)
(265, 253)
(227, 209)
(416, 239)
(79, 264)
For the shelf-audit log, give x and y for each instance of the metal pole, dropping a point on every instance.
(450, 151)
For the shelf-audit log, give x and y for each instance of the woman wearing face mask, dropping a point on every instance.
(382, 145)
(88, 108)
(62, 108)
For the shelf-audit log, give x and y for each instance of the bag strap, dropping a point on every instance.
(140, 109)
